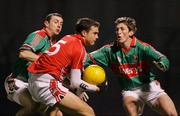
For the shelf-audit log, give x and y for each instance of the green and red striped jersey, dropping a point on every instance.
(132, 65)
(37, 42)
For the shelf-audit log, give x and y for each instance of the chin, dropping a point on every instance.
(121, 41)
(92, 43)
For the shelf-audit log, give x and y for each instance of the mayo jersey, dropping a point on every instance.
(68, 53)
(132, 65)
(37, 42)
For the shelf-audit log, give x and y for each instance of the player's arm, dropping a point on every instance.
(99, 57)
(159, 59)
(77, 82)
(33, 43)
(28, 55)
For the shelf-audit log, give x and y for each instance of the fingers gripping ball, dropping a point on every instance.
(94, 74)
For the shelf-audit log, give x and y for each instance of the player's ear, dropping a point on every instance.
(131, 33)
(46, 23)
(83, 33)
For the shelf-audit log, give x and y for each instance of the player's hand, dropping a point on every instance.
(82, 95)
(103, 86)
(160, 66)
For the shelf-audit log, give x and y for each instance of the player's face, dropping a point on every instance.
(123, 34)
(54, 26)
(91, 36)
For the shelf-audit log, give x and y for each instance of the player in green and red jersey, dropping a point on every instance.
(34, 45)
(131, 58)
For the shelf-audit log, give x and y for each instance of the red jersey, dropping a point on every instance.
(68, 53)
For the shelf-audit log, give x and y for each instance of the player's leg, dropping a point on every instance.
(72, 104)
(45, 89)
(160, 101)
(48, 110)
(133, 107)
(53, 111)
(17, 91)
(165, 106)
(27, 102)
(132, 104)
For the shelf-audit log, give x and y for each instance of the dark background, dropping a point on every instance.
(158, 23)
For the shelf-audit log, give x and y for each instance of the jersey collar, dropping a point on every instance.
(46, 31)
(133, 42)
(80, 38)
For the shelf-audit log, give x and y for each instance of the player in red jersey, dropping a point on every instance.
(66, 57)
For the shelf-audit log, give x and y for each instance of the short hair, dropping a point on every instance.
(130, 22)
(48, 17)
(85, 24)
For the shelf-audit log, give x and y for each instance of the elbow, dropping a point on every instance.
(22, 54)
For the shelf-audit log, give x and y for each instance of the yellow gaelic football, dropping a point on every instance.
(94, 74)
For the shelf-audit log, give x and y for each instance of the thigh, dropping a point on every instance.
(26, 100)
(132, 103)
(72, 104)
(164, 105)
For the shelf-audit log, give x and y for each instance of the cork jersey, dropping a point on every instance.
(132, 65)
(68, 53)
(37, 42)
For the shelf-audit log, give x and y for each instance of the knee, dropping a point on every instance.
(172, 113)
(88, 111)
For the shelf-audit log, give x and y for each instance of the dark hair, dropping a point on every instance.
(48, 17)
(130, 22)
(85, 24)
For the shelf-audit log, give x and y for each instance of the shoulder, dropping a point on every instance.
(108, 45)
(106, 48)
(38, 34)
(112, 47)
(70, 39)
(41, 33)
(142, 45)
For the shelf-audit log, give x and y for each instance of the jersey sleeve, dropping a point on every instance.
(33, 42)
(157, 56)
(99, 57)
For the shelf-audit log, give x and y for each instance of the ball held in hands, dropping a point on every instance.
(94, 74)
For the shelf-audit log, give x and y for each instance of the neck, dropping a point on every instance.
(48, 32)
(126, 44)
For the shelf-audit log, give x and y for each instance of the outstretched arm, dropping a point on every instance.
(77, 82)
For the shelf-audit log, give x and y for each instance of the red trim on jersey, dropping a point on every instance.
(26, 46)
(133, 43)
(43, 33)
(92, 59)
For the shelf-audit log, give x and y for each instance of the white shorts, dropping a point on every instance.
(46, 89)
(14, 87)
(146, 94)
